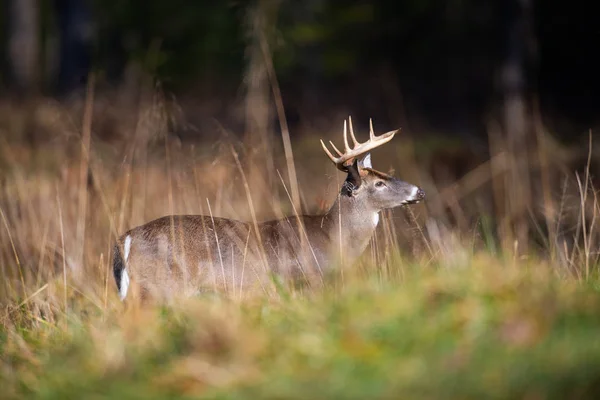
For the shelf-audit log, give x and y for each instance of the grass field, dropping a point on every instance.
(447, 302)
(488, 330)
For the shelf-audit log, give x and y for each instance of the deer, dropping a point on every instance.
(188, 254)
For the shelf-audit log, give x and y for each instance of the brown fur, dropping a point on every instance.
(185, 254)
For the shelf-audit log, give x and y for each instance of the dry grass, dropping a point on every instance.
(444, 286)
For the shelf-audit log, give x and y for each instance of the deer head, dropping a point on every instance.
(372, 189)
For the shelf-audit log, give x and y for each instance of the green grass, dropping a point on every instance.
(487, 330)
(446, 303)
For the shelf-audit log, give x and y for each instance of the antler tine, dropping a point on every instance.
(336, 149)
(338, 161)
(331, 157)
(346, 145)
(356, 143)
(371, 131)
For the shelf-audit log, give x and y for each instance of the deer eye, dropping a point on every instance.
(379, 184)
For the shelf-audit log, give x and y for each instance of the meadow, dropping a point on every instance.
(488, 289)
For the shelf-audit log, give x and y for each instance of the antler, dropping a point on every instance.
(358, 148)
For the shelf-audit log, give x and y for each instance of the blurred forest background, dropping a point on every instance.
(116, 112)
(449, 67)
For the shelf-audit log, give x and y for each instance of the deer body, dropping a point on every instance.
(184, 254)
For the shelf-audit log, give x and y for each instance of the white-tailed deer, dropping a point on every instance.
(184, 254)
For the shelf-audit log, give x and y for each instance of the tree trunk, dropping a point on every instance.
(23, 44)
(75, 35)
(259, 135)
(517, 119)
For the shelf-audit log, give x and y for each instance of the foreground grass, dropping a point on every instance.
(486, 330)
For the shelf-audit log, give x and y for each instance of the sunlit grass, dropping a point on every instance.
(484, 330)
(441, 305)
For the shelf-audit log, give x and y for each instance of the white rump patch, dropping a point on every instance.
(124, 284)
(375, 218)
(127, 247)
(124, 275)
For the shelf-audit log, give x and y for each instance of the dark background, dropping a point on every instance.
(443, 66)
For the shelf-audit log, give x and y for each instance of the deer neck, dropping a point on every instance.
(352, 224)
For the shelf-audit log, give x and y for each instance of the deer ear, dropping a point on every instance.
(353, 179)
(365, 162)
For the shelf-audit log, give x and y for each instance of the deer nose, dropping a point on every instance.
(416, 196)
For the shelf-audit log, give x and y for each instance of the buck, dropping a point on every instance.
(186, 254)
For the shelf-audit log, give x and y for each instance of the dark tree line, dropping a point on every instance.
(451, 63)
(48, 44)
